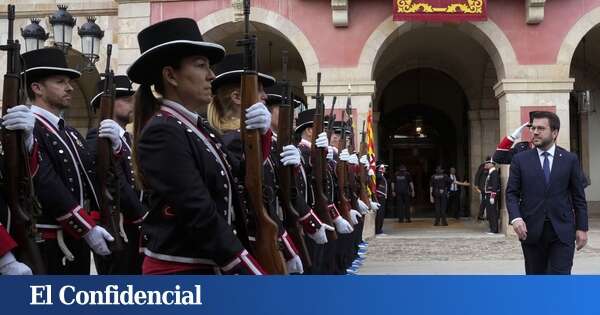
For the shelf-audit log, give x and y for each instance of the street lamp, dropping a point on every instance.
(62, 26)
(90, 34)
(34, 34)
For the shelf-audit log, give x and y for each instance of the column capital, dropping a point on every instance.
(523, 86)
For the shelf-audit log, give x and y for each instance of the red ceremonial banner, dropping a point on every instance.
(440, 10)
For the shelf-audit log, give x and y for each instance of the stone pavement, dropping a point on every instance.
(463, 247)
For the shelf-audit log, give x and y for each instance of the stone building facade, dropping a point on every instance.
(465, 84)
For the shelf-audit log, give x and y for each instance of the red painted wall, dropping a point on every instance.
(341, 47)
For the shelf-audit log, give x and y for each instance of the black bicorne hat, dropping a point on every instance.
(41, 63)
(230, 71)
(304, 120)
(163, 41)
(122, 88)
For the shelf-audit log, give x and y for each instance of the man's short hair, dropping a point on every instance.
(553, 119)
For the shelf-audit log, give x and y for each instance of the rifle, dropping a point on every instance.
(341, 171)
(331, 119)
(364, 178)
(17, 179)
(318, 162)
(106, 174)
(284, 173)
(267, 247)
(352, 181)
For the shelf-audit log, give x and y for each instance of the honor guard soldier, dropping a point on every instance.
(438, 190)
(403, 189)
(325, 263)
(381, 191)
(491, 190)
(132, 211)
(224, 115)
(65, 182)
(181, 164)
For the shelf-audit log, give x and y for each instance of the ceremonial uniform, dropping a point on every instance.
(492, 189)
(132, 210)
(382, 191)
(188, 229)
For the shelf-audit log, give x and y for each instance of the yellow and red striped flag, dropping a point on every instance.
(371, 149)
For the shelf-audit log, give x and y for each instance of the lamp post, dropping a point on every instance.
(90, 34)
(62, 26)
(34, 34)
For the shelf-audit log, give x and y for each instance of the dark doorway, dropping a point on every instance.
(420, 138)
(424, 124)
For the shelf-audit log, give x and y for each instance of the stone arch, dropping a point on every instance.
(278, 22)
(575, 35)
(486, 33)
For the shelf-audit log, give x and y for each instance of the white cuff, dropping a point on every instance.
(515, 220)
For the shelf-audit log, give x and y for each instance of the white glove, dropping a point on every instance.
(353, 159)
(364, 160)
(11, 267)
(294, 265)
(431, 199)
(370, 172)
(20, 117)
(344, 155)
(96, 239)
(518, 132)
(354, 215)
(492, 201)
(362, 207)
(258, 117)
(330, 153)
(322, 141)
(290, 156)
(375, 205)
(319, 236)
(112, 131)
(342, 226)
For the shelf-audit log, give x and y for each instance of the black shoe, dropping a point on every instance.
(444, 223)
(408, 221)
(436, 224)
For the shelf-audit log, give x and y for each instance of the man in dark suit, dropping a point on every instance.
(546, 201)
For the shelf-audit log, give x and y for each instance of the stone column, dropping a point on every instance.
(134, 15)
(475, 156)
(513, 94)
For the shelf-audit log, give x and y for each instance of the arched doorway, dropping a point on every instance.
(442, 76)
(421, 132)
(270, 45)
(584, 109)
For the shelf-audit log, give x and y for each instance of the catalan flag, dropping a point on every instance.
(371, 150)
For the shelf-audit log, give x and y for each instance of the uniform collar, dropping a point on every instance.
(191, 116)
(50, 117)
(550, 151)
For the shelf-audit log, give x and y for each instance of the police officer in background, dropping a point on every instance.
(403, 189)
(382, 191)
(439, 187)
(490, 200)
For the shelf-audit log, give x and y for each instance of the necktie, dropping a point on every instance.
(546, 167)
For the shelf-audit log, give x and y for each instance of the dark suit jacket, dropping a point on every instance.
(562, 200)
